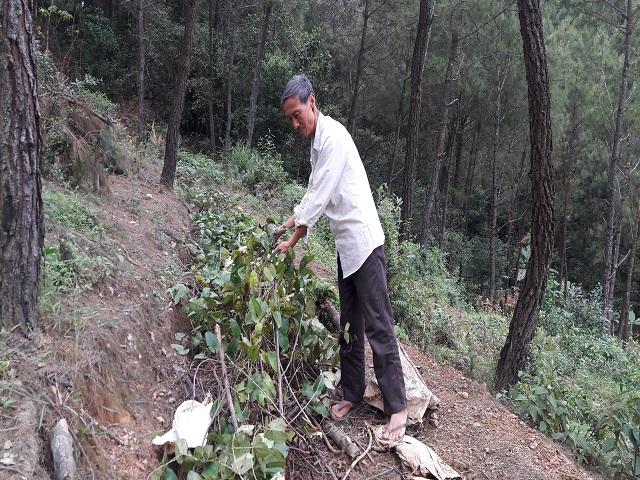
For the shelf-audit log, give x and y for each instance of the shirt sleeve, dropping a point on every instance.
(322, 184)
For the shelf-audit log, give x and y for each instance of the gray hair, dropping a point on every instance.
(298, 86)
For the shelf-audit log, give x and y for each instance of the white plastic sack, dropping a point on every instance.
(190, 422)
(419, 397)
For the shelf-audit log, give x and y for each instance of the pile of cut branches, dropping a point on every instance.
(275, 365)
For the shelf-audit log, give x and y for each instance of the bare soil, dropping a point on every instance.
(103, 360)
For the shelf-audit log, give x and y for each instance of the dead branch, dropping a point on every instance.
(366, 451)
(342, 440)
(225, 378)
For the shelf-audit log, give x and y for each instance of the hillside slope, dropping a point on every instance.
(104, 361)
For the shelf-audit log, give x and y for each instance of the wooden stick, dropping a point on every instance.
(279, 367)
(227, 390)
(355, 462)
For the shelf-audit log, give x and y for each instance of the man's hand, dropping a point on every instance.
(283, 247)
(281, 230)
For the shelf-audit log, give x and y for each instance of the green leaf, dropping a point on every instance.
(270, 272)
(178, 292)
(212, 342)
(182, 448)
(608, 445)
(277, 317)
(169, 474)
(242, 464)
(180, 349)
(211, 472)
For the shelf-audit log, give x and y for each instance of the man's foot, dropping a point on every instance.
(397, 426)
(341, 410)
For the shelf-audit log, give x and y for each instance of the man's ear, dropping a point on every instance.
(312, 101)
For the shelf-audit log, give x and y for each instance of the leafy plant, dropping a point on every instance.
(265, 306)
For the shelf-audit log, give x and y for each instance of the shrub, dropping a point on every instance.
(68, 210)
(260, 170)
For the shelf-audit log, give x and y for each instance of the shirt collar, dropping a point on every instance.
(317, 139)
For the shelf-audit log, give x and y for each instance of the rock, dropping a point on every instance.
(464, 394)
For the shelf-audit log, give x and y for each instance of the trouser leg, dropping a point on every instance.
(351, 352)
(370, 282)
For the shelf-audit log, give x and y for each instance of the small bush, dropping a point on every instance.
(260, 170)
(68, 210)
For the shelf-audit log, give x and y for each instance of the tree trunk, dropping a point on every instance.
(356, 87)
(173, 129)
(213, 21)
(420, 48)
(459, 144)
(21, 213)
(624, 331)
(613, 189)
(230, 80)
(140, 70)
(440, 142)
(445, 196)
(392, 163)
(514, 354)
(493, 216)
(468, 184)
(566, 192)
(257, 73)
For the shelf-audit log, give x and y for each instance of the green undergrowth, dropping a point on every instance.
(279, 355)
(583, 387)
(76, 255)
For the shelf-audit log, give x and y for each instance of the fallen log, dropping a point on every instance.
(342, 440)
(64, 464)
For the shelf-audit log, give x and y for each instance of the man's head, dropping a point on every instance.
(299, 104)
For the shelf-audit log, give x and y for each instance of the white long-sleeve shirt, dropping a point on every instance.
(339, 188)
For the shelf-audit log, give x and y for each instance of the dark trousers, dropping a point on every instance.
(365, 306)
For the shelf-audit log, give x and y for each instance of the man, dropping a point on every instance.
(339, 188)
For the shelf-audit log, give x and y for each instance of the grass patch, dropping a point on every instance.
(69, 211)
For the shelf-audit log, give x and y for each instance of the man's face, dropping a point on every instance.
(301, 115)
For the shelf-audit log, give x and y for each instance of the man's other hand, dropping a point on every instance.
(281, 230)
(283, 247)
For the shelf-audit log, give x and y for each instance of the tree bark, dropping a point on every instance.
(613, 188)
(356, 84)
(514, 354)
(440, 141)
(420, 48)
(257, 73)
(21, 213)
(625, 330)
(140, 70)
(173, 129)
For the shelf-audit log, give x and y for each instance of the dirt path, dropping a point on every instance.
(477, 436)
